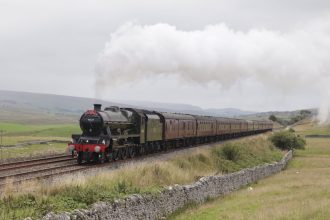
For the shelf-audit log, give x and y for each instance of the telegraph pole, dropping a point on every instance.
(1, 133)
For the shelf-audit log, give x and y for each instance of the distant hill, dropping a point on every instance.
(279, 114)
(189, 109)
(229, 112)
(284, 118)
(25, 107)
(28, 107)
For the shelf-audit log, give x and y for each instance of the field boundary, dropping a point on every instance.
(156, 206)
(317, 136)
(23, 144)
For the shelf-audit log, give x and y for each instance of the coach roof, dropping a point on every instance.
(168, 115)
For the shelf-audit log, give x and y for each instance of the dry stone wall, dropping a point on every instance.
(174, 197)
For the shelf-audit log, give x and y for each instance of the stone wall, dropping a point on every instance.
(174, 197)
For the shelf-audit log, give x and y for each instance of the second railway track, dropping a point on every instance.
(33, 162)
(36, 168)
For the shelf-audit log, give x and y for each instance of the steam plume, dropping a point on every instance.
(284, 61)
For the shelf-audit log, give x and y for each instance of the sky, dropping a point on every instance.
(253, 55)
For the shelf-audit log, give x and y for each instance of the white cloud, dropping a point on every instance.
(290, 64)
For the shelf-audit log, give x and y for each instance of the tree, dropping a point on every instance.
(305, 112)
(272, 118)
(287, 140)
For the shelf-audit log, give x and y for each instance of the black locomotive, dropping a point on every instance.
(117, 133)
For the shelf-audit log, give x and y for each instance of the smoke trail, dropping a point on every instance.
(284, 61)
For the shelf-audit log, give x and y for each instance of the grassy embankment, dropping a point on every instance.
(16, 133)
(299, 192)
(78, 191)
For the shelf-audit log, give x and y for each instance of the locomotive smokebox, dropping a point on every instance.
(97, 107)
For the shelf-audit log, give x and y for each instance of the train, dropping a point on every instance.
(118, 133)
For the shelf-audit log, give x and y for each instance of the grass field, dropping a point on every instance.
(17, 133)
(52, 131)
(311, 128)
(78, 191)
(302, 191)
(32, 150)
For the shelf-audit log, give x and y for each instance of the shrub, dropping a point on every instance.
(299, 142)
(287, 140)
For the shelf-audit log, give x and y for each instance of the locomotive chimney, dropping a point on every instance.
(97, 107)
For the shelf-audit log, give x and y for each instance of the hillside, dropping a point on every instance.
(25, 107)
(281, 115)
(42, 108)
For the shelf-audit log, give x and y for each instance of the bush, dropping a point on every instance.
(286, 140)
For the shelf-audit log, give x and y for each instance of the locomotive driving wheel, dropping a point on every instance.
(142, 150)
(115, 155)
(79, 158)
(123, 153)
(102, 158)
(131, 152)
(95, 157)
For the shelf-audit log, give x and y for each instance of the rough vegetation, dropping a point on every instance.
(38, 198)
(300, 192)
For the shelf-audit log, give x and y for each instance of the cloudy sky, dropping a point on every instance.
(253, 55)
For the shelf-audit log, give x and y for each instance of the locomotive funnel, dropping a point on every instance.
(97, 107)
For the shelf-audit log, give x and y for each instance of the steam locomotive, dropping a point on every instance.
(117, 133)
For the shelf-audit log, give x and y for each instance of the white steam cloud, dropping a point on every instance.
(284, 61)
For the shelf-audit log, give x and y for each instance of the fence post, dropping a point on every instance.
(1, 132)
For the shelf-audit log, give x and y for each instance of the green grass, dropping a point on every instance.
(299, 192)
(18, 133)
(55, 130)
(15, 133)
(312, 128)
(32, 150)
(78, 191)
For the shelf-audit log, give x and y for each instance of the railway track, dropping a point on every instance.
(16, 172)
(19, 171)
(33, 162)
(40, 173)
(41, 168)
